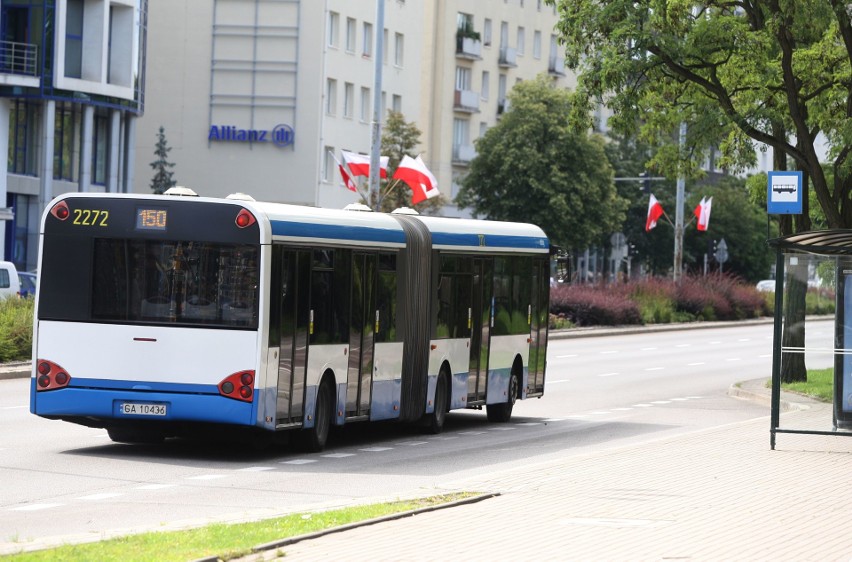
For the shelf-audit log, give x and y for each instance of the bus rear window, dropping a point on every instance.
(175, 282)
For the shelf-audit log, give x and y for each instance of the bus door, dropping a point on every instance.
(291, 279)
(480, 330)
(361, 334)
(538, 313)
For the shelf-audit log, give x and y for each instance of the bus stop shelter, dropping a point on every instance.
(816, 267)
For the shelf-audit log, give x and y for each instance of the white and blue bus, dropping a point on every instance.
(161, 316)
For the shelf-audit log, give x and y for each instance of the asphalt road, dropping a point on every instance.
(67, 482)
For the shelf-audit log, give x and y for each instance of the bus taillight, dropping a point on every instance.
(50, 375)
(239, 386)
(244, 219)
(61, 211)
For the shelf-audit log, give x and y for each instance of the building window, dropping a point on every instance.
(486, 32)
(486, 86)
(385, 46)
(120, 46)
(504, 35)
(333, 29)
(462, 78)
(521, 40)
(461, 132)
(350, 35)
(398, 49)
(367, 50)
(328, 164)
(100, 148)
(537, 45)
(74, 39)
(365, 105)
(63, 142)
(396, 103)
(348, 99)
(23, 138)
(330, 96)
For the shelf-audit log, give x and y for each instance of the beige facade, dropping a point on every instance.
(256, 96)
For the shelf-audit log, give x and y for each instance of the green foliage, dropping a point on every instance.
(532, 167)
(16, 329)
(736, 72)
(820, 385)
(163, 176)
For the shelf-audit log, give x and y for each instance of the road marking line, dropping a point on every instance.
(733, 359)
(376, 449)
(36, 506)
(554, 420)
(338, 455)
(599, 413)
(610, 352)
(96, 497)
(526, 424)
(14, 407)
(764, 356)
(621, 409)
(654, 369)
(558, 382)
(695, 364)
(683, 345)
(608, 374)
(565, 356)
(648, 348)
(206, 477)
(256, 469)
(714, 342)
(744, 339)
(501, 429)
(155, 486)
(661, 402)
(678, 399)
(411, 443)
(641, 405)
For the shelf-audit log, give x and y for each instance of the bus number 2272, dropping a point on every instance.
(90, 217)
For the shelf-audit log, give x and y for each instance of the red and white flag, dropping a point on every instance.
(702, 213)
(348, 182)
(359, 164)
(413, 171)
(655, 211)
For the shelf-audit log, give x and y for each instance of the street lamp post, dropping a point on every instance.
(377, 107)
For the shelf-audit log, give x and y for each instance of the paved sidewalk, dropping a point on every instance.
(717, 494)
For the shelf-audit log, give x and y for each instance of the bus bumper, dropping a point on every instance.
(128, 406)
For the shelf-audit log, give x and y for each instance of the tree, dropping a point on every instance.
(163, 176)
(778, 72)
(533, 167)
(400, 138)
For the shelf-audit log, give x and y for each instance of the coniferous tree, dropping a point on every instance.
(163, 176)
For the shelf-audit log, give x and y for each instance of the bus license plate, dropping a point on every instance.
(142, 409)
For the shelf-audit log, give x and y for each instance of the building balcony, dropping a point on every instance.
(466, 101)
(19, 64)
(468, 48)
(556, 66)
(463, 153)
(508, 57)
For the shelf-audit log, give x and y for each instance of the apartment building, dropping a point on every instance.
(72, 78)
(259, 96)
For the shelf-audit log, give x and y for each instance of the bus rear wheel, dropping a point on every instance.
(313, 439)
(502, 413)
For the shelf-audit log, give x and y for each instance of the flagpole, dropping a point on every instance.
(678, 226)
(379, 30)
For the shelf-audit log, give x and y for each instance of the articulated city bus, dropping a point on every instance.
(161, 316)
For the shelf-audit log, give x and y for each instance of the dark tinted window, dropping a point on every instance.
(175, 282)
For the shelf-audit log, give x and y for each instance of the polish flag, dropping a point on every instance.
(413, 171)
(702, 213)
(655, 211)
(348, 182)
(359, 164)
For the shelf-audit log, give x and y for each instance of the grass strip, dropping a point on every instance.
(820, 385)
(229, 541)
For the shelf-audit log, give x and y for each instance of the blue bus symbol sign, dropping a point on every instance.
(784, 193)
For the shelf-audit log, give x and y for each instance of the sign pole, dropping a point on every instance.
(376, 147)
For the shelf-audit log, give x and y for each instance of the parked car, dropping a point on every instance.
(766, 286)
(10, 284)
(28, 283)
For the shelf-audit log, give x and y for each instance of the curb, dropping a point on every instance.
(259, 550)
(16, 370)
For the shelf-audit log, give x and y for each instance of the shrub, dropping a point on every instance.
(16, 329)
(590, 306)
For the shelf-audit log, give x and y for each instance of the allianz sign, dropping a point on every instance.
(280, 135)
